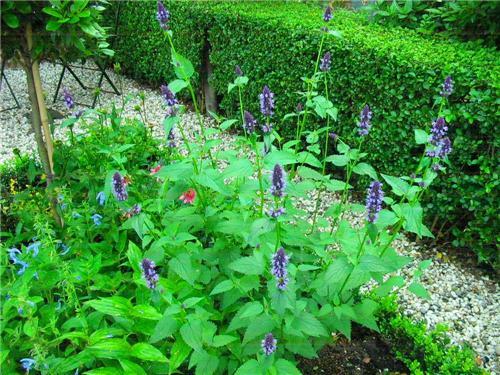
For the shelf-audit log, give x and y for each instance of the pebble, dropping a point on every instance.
(466, 302)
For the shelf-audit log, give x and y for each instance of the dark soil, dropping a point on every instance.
(366, 354)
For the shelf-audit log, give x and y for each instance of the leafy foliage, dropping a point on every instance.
(277, 44)
(463, 19)
(424, 351)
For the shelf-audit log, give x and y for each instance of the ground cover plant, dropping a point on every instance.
(180, 255)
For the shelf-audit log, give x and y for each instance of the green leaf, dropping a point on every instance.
(11, 20)
(176, 171)
(308, 324)
(421, 136)
(365, 169)
(258, 327)
(248, 265)
(285, 367)
(177, 85)
(111, 348)
(165, 327)
(115, 306)
(182, 66)
(53, 26)
(146, 312)
(222, 340)
(52, 12)
(279, 157)
(131, 368)
(227, 124)
(222, 287)
(399, 186)
(181, 265)
(191, 332)
(419, 290)
(239, 168)
(338, 160)
(147, 352)
(179, 352)
(250, 367)
(386, 288)
(134, 256)
(250, 309)
(206, 364)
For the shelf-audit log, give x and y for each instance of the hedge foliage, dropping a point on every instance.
(394, 70)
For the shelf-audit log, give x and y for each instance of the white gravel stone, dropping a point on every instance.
(466, 301)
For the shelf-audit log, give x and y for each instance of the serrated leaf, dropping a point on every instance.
(222, 287)
(248, 265)
(147, 352)
(222, 340)
(419, 290)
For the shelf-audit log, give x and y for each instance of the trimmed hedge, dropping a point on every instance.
(396, 71)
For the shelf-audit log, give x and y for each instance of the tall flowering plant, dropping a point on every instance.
(192, 258)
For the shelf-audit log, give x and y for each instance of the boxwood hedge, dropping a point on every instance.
(396, 71)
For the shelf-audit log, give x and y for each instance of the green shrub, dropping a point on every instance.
(396, 71)
(424, 351)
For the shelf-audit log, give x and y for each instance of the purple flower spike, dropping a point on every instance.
(171, 139)
(439, 139)
(326, 62)
(68, 99)
(119, 187)
(163, 16)
(269, 344)
(333, 135)
(327, 16)
(168, 96)
(149, 273)
(278, 180)
(279, 263)
(374, 199)
(238, 71)
(250, 122)
(275, 213)
(447, 87)
(267, 102)
(365, 119)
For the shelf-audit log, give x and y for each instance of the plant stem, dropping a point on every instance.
(241, 112)
(259, 175)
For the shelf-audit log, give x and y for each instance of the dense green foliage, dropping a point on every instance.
(396, 71)
(171, 255)
(424, 351)
(467, 20)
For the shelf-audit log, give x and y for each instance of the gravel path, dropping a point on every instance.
(465, 299)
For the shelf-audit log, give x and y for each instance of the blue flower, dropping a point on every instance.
(27, 363)
(65, 249)
(447, 87)
(374, 198)
(149, 273)
(327, 16)
(13, 255)
(326, 62)
(35, 247)
(279, 263)
(68, 99)
(267, 101)
(365, 121)
(163, 16)
(119, 187)
(76, 215)
(101, 198)
(278, 181)
(97, 219)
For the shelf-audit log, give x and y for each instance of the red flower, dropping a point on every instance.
(156, 169)
(188, 196)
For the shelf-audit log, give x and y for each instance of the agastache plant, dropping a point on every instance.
(267, 102)
(278, 181)
(374, 199)
(365, 121)
(168, 96)
(163, 16)
(327, 16)
(149, 273)
(68, 99)
(326, 61)
(278, 268)
(269, 344)
(119, 187)
(250, 122)
(447, 89)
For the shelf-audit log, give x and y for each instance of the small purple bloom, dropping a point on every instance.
(68, 99)
(327, 16)
(27, 364)
(163, 16)
(34, 247)
(267, 102)
(250, 122)
(171, 139)
(119, 187)
(135, 210)
(267, 128)
(436, 167)
(238, 71)
(374, 199)
(300, 107)
(326, 62)
(447, 87)
(278, 181)
(365, 118)
(97, 219)
(333, 135)
(101, 198)
(149, 273)
(168, 96)
(438, 131)
(275, 213)
(269, 344)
